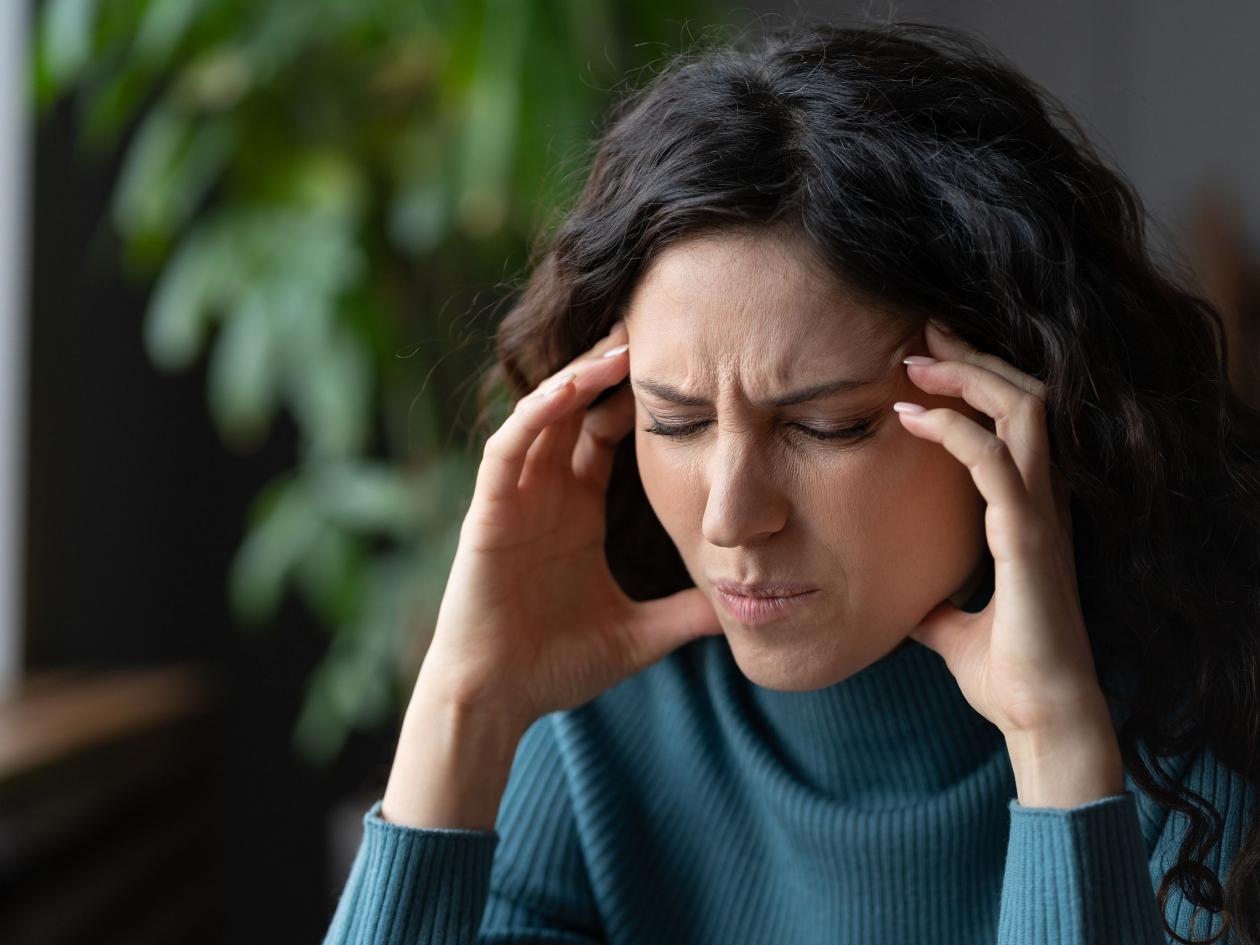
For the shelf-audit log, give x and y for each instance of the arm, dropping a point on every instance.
(414, 885)
(1081, 871)
(1078, 875)
(520, 882)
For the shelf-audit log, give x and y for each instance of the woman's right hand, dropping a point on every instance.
(532, 620)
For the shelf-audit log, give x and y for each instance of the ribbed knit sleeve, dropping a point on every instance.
(1084, 875)
(520, 884)
(414, 886)
(1078, 875)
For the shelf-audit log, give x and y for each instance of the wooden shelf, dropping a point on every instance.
(58, 714)
(107, 807)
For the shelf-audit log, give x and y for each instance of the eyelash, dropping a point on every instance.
(680, 431)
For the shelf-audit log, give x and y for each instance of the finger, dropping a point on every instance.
(991, 465)
(504, 452)
(615, 338)
(553, 452)
(586, 443)
(1062, 502)
(1018, 415)
(945, 345)
(547, 457)
(602, 429)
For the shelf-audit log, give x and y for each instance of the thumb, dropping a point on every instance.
(943, 631)
(666, 623)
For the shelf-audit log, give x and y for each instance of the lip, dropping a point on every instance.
(762, 588)
(763, 608)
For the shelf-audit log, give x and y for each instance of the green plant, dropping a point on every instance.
(308, 185)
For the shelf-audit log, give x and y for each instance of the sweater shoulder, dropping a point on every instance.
(1221, 786)
(1200, 770)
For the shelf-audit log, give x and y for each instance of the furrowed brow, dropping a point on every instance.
(804, 395)
(843, 385)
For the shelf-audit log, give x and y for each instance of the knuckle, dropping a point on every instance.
(995, 446)
(494, 443)
(1033, 409)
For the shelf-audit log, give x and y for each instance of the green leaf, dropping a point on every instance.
(65, 40)
(112, 107)
(319, 733)
(242, 374)
(330, 576)
(491, 131)
(327, 182)
(420, 217)
(443, 490)
(164, 24)
(168, 168)
(356, 684)
(330, 175)
(176, 323)
(367, 497)
(215, 80)
(330, 393)
(271, 551)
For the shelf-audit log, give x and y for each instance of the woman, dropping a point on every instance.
(925, 591)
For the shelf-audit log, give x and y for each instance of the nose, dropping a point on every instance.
(744, 504)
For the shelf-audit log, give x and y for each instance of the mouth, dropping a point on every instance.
(762, 588)
(761, 610)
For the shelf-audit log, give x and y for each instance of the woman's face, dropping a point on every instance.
(884, 526)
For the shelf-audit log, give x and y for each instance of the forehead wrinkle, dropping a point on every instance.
(730, 293)
(891, 363)
(871, 368)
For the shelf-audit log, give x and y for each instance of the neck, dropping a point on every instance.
(899, 728)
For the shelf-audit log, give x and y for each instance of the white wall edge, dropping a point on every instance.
(15, 120)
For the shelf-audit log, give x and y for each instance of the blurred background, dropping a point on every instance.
(251, 257)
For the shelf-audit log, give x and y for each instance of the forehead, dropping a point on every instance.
(756, 303)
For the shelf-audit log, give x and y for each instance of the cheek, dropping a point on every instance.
(665, 483)
(930, 517)
(902, 514)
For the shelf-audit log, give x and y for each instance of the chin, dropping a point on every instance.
(786, 668)
(794, 663)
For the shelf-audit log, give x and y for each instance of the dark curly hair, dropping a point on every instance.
(932, 175)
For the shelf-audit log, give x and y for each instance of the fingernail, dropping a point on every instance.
(902, 406)
(918, 359)
(559, 382)
(612, 352)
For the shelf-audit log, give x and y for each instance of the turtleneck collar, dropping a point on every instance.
(898, 729)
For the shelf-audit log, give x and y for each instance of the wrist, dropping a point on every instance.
(451, 765)
(1068, 767)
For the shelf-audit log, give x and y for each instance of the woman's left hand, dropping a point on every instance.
(1024, 661)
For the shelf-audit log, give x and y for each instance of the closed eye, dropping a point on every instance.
(851, 432)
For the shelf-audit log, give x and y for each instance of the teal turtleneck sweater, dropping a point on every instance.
(689, 805)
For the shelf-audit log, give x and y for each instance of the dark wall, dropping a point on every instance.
(1166, 90)
(134, 511)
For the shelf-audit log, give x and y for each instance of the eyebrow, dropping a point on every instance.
(674, 395)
